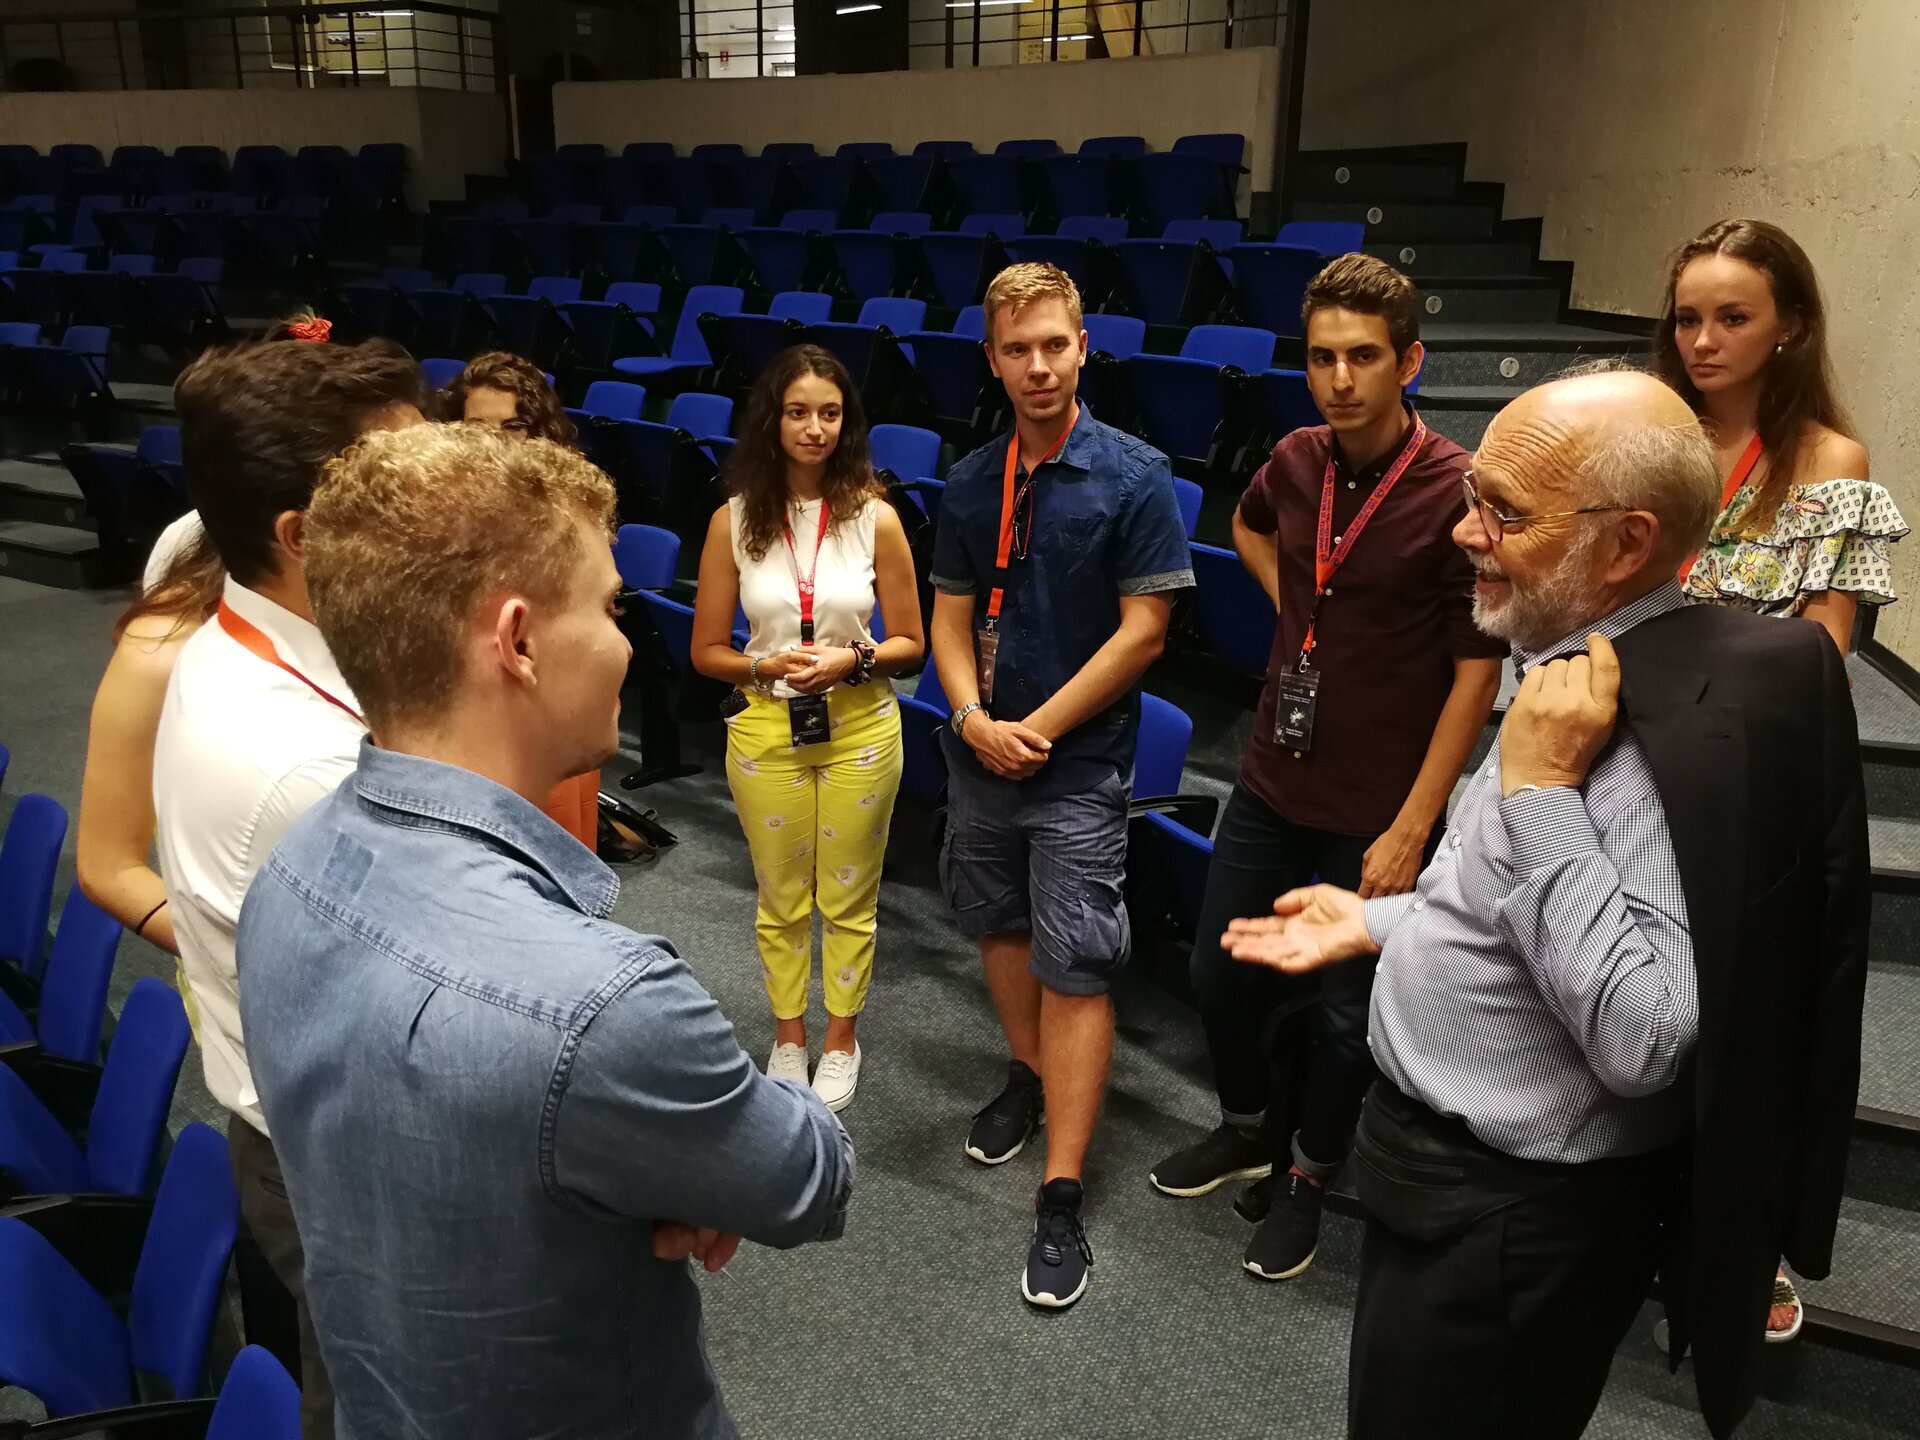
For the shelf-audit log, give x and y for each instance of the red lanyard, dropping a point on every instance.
(1328, 556)
(1742, 468)
(995, 599)
(253, 639)
(806, 585)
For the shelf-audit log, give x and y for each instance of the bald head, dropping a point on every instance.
(1618, 438)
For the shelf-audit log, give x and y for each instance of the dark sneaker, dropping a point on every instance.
(1060, 1258)
(1256, 1200)
(1001, 1131)
(1201, 1168)
(1283, 1246)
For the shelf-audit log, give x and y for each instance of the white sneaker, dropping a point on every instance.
(837, 1077)
(788, 1062)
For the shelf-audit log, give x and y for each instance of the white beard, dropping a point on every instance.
(1549, 609)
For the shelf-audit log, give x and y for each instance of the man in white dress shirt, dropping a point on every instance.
(258, 726)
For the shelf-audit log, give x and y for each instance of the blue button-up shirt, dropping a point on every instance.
(483, 1095)
(1105, 524)
(1538, 983)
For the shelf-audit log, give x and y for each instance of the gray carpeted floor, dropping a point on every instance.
(912, 1324)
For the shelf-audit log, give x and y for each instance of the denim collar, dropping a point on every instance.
(1078, 452)
(432, 790)
(1651, 606)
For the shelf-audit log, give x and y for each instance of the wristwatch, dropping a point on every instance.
(959, 720)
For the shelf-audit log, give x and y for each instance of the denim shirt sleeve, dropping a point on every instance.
(660, 1115)
(1153, 554)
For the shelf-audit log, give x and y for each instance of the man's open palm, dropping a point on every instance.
(1317, 926)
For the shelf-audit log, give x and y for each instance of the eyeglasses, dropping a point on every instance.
(1500, 524)
(1023, 517)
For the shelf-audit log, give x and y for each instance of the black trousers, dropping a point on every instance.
(1257, 856)
(267, 1220)
(1493, 1291)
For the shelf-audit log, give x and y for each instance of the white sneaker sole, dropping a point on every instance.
(1048, 1301)
(1252, 1172)
(1300, 1269)
(839, 1102)
(985, 1159)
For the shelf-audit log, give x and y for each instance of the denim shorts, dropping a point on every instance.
(1049, 865)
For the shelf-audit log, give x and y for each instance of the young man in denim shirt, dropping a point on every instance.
(505, 1121)
(1058, 554)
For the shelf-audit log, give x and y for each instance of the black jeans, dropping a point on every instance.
(268, 1219)
(1257, 856)
(1493, 1291)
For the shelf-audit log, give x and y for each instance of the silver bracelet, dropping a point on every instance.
(753, 672)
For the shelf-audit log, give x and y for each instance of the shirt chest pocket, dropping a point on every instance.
(1081, 545)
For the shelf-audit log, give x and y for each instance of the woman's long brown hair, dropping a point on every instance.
(756, 470)
(1796, 388)
(187, 593)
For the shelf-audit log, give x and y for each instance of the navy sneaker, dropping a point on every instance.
(1060, 1258)
(1001, 1131)
(1227, 1153)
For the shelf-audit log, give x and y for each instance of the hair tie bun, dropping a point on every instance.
(315, 330)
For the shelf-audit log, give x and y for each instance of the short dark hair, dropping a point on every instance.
(1366, 286)
(535, 405)
(258, 424)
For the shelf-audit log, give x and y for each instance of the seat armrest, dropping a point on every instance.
(1195, 812)
(99, 1235)
(167, 1420)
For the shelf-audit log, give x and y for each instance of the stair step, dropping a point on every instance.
(1890, 1040)
(1379, 177)
(56, 555)
(1515, 353)
(1876, 1267)
(1405, 220)
(1490, 299)
(43, 506)
(1456, 257)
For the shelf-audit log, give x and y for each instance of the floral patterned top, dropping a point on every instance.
(1829, 536)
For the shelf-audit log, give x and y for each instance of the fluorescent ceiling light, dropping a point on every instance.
(854, 9)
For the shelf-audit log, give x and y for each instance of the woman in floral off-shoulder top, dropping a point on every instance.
(1802, 531)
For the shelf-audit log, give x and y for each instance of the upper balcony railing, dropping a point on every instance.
(285, 46)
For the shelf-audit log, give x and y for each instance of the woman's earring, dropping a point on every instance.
(1779, 347)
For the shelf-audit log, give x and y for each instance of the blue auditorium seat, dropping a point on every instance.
(1170, 281)
(1080, 184)
(1324, 237)
(792, 254)
(65, 1344)
(183, 308)
(1286, 404)
(1187, 494)
(971, 321)
(877, 261)
(73, 989)
(1235, 614)
(1178, 185)
(960, 263)
(988, 184)
(944, 149)
(1160, 755)
(911, 453)
(688, 354)
(1115, 147)
(1081, 247)
(826, 182)
(550, 246)
(532, 325)
(126, 1120)
(29, 855)
(439, 372)
(865, 150)
(1184, 399)
(1105, 382)
(744, 345)
(905, 182)
(619, 323)
(646, 556)
(1270, 282)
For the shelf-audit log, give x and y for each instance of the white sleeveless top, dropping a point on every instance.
(843, 593)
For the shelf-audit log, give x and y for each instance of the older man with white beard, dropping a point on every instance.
(1618, 1019)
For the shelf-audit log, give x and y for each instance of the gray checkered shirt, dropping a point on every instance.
(1539, 982)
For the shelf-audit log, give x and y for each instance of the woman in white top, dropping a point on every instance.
(805, 545)
(1802, 532)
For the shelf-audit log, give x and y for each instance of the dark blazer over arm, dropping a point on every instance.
(1747, 725)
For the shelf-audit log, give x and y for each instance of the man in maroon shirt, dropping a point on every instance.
(1378, 685)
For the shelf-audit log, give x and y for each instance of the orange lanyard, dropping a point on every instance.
(254, 640)
(1329, 556)
(1742, 468)
(1007, 498)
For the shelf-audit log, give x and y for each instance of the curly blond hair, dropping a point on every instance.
(410, 529)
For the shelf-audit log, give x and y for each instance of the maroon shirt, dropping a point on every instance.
(1397, 615)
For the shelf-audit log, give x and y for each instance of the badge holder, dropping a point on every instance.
(1296, 695)
(987, 653)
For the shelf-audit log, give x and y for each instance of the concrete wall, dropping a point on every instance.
(448, 133)
(1161, 98)
(1630, 125)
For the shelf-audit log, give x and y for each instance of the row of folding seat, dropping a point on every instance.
(115, 1241)
(370, 180)
(178, 308)
(1198, 178)
(1196, 271)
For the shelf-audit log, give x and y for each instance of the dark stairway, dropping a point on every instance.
(1496, 314)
